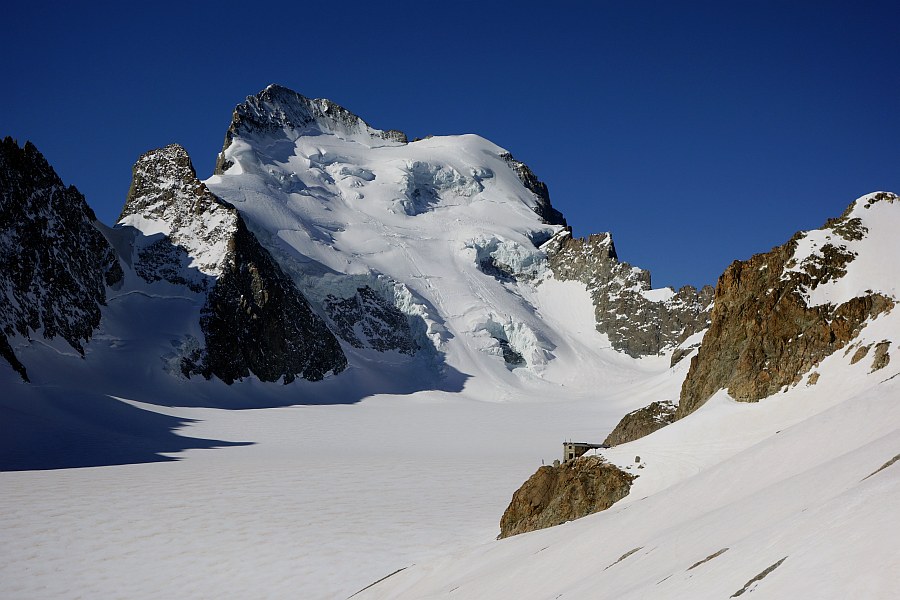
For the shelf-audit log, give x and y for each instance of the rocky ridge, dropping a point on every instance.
(544, 208)
(55, 265)
(254, 319)
(556, 494)
(637, 321)
(766, 329)
(278, 108)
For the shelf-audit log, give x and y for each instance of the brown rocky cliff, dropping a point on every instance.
(554, 495)
(641, 422)
(762, 335)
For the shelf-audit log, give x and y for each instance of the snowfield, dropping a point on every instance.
(330, 498)
(312, 501)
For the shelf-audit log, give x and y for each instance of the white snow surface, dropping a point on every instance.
(316, 490)
(327, 498)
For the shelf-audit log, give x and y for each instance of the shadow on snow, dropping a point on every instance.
(54, 428)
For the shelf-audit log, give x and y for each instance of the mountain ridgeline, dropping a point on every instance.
(780, 313)
(321, 242)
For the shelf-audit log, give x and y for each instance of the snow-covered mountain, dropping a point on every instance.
(429, 252)
(450, 231)
(431, 285)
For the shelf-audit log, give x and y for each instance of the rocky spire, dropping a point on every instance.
(637, 322)
(254, 319)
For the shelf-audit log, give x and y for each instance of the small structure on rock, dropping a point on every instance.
(572, 450)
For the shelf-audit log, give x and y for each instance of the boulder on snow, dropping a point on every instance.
(554, 495)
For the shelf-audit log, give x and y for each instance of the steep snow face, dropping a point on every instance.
(443, 228)
(865, 235)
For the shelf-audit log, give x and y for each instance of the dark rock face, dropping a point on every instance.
(55, 265)
(635, 324)
(277, 107)
(537, 187)
(554, 495)
(641, 422)
(255, 320)
(762, 335)
(366, 320)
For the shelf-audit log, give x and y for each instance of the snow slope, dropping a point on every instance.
(794, 478)
(312, 501)
(792, 497)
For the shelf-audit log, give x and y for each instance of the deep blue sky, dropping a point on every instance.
(697, 132)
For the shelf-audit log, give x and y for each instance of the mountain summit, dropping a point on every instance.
(278, 109)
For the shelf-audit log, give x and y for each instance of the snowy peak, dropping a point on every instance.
(277, 109)
(846, 258)
(179, 216)
(164, 179)
(390, 240)
(254, 319)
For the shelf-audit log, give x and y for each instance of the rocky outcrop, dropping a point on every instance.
(882, 357)
(637, 322)
(254, 319)
(554, 495)
(641, 422)
(764, 332)
(537, 187)
(367, 320)
(55, 265)
(277, 108)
